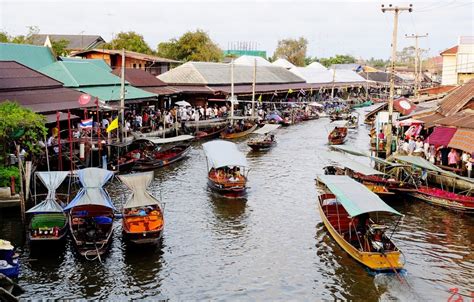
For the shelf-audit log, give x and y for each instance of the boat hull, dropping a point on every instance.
(229, 192)
(261, 146)
(147, 165)
(445, 202)
(150, 237)
(235, 135)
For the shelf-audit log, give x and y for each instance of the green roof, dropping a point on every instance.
(112, 92)
(354, 196)
(98, 62)
(34, 57)
(77, 74)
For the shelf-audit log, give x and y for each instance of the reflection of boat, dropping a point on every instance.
(91, 213)
(265, 141)
(213, 132)
(224, 162)
(231, 134)
(143, 219)
(345, 207)
(338, 135)
(9, 264)
(48, 220)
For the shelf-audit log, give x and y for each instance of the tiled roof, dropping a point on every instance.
(457, 99)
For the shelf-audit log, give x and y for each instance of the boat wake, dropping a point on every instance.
(391, 289)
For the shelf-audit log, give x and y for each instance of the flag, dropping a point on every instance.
(87, 123)
(290, 91)
(113, 125)
(302, 92)
(259, 99)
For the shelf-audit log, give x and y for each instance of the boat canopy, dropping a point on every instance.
(138, 183)
(358, 152)
(92, 191)
(176, 139)
(221, 153)
(267, 128)
(351, 164)
(354, 196)
(51, 180)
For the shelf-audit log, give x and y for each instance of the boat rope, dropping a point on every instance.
(94, 250)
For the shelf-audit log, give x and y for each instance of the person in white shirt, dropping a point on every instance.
(105, 123)
(419, 145)
(139, 120)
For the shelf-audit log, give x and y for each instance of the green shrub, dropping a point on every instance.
(6, 173)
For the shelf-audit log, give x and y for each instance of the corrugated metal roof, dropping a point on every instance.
(249, 61)
(349, 66)
(283, 63)
(457, 99)
(463, 119)
(316, 65)
(430, 120)
(35, 57)
(463, 139)
(112, 93)
(313, 74)
(347, 76)
(79, 73)
(75, 41)
(98, 62)
(139, 77)
(206, 73)
(15, 76)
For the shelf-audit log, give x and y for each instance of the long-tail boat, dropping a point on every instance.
(226, 168)
(265, 140)
(209, 133)
(338, 135)
(48, 221)
(350, 213)
(142, 215)
(231, 132)
(91, 213)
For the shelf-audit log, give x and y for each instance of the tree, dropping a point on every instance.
(130, 41)
(338, 59)
(4, 38)
(28, 38)
(377, 63)
(294, 50)
(191, 46)
(59, 48)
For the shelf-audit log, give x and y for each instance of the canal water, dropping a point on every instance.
(271, 246)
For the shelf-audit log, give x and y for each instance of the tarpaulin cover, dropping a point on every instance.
(354, 196)
(463, 139)
(441, 136)
(138, 183)
(51, 180)
(92, 191)
(221, 153)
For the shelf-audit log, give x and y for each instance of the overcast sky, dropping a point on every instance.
(346, 27)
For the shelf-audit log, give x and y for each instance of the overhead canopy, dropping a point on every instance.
(441, 136)
(408, 122)
(221, 153)
(168, 140)
(351, 164)
(51, 180)
(92, 191)
(354, 196)
(463, 139)
(267, 128)
(350, 150)
(138, 183)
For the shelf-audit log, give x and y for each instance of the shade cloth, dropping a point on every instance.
(354, 196)
(351, 164)
(92, 191)
(221, 153)
(51, 180)
(138, 183)
(266, 129)
(441, 136)
(463, 139)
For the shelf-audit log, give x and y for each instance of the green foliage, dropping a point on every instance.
(20, 39)
(5, 176)
(131, 41)
(191, 46)
(60, 47)
(377, 63)
(294, 50)
(17, 119)
(338, 59)
(4, 38)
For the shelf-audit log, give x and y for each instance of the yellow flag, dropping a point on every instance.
(290, 90)
(113, 125)
(260, 98)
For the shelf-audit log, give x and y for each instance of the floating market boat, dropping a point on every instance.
(353, 121)
(9, 264)
(338, 135)
(91, 213)
(48, 221)
(231, 132)
(350, 213)
(265, 140)
(363, 104)
(9, 290)
(210, 133)
(224, 163)
(142, 215)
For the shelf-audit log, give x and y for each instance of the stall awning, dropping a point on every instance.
(441, 136)
(463, 139)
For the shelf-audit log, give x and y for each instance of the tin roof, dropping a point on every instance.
(75, 41)
(139, 77)
(457, 99)
(283, 63)
(35, 57)
(128, 54)
(15, 76)
(98, 62)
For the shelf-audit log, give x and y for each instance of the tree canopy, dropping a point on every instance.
(294, 50)
(191, 46)
(60, 47)
(20, 39)
(131, 41)
(338, 59)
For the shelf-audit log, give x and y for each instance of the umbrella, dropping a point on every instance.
(183, 104)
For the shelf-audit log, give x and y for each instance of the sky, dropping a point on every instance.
(358, 28)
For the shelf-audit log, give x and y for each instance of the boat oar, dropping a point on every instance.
(393, 268)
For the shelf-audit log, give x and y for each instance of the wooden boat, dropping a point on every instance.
(161, 158)
(363, 104)
(230, 133)
(91, 214)
(338, 135)
(210, 133)
(445, 199)
(225, 162)
(265, 140)
(9, 290)
(350, 212)
(353, 121)
(48, 221)
(142, 215)
(9, 264)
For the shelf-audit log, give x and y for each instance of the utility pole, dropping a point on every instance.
(397, 10)
(122, 97)
(253, 86)
(232, 91)
(417, 61)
